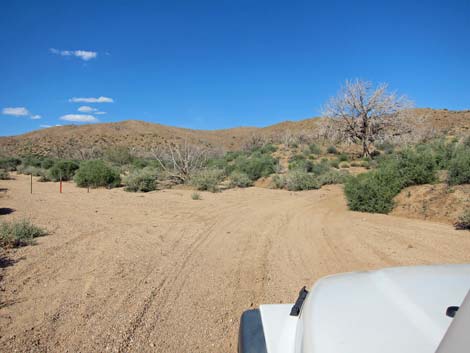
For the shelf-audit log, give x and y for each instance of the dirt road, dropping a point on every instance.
(160, 272)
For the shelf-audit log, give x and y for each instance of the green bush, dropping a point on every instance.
(463, 222)
(373, 191)
(63, 169)
(47, 163)
(255, 166)
(4, 175)
(207, 179)
(459, 167)
(119, 155)
(332, 177)
(19, 233)
(344, 165)
(9, 164)
(320, 168)
(31, 161)
(299, 162)
(142, 180)
(196, 196)
(314, 149)
(297, 180)
(332, 150)
(240, 179)
(414, 168)
(31, 170)
(334, 163)
(96, 173)
(343, 157)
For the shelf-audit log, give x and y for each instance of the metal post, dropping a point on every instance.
(31, 183)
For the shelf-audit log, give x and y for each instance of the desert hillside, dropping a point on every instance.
(143, 135)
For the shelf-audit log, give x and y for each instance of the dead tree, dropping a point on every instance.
(363, 114)
(180, 160)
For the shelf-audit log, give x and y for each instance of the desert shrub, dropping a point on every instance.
(19, 233)
(47, 163)
(63, 169)
(365, 164)
(278, 181)
(297, 180)
(196, 196)
(9, 164)
(373, 191)
(141, 180)
(240, 179)
(268, 149)
(441, 150)
(314, 149)
(4, 175)
(332, 150)
(96, 173)
(459, 167)
(233, 155)
(386, 147)
(31, 160)
(301, 164)
(466, 142)
(320, 168)
(207, 179)
(119, 155)
(255, 166)
(332, 177)
(463, 222)
(31, 170)
(217, 163)
(355, 164)
(334, 163)
(343, 157)
(344, 165)
(413, 168)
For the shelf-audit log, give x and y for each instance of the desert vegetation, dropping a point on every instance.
(19, 233)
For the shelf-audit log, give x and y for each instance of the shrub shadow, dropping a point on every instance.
(6, 210)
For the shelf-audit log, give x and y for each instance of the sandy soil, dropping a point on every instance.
(160, 272)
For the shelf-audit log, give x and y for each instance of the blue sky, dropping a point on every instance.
(219, 64)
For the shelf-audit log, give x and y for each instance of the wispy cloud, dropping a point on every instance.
(100, 99)
(20, 111)
(44, 126)
(15, 111)
(79, 118)
(99, 113)
(85, 55)
(86, 109)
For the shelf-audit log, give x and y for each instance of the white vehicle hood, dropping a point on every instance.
(396, 310)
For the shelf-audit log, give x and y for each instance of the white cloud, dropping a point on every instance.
(79, 118)
(100, 99)
(44, 126)
(86, 109)
(82, 54)
(36, 117)
(99, 113)
(18, 111)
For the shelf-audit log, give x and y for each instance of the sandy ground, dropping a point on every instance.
(160, 272)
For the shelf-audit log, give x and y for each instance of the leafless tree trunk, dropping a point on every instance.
(180, 160)
(363, 114)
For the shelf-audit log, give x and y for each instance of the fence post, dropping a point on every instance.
(31, 183)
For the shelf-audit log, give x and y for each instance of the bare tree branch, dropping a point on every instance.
(363, 114)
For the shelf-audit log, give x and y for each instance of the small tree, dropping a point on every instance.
(180, 160)
(363, 114)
